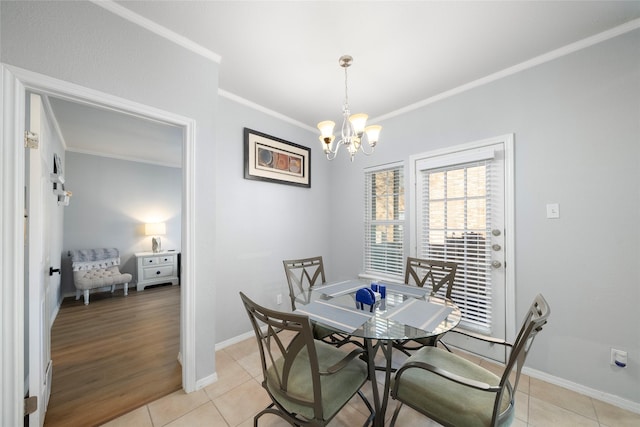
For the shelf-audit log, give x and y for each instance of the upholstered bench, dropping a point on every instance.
(97, 268)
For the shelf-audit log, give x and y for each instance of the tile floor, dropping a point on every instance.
(237, 396)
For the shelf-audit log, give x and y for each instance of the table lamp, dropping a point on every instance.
(155, 229)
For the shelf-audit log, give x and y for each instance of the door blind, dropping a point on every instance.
(454, 226)
(384, 221)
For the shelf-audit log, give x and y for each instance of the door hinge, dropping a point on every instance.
(31, 139)
(30, 405)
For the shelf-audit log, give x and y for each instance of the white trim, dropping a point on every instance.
(202, 383)
(156, 28)
(468, 156)
(390, 165)
(12, 379)
(264, 110)
(534, 62)
(119, 157)
(235, 340)
(612, 399)
(187, 260)
(53, 119)
(510, 236)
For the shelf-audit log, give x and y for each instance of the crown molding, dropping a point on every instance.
(156, 28)
(549, 56)
(265, 110)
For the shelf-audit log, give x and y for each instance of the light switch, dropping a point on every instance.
(553, 210)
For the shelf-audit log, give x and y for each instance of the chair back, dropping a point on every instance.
(534, 320)
(431, 272)
(302, 275)
(285, 339)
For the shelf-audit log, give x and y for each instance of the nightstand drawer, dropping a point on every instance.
(157, 268)
(158, 260)
(170, 259)
(159, 271)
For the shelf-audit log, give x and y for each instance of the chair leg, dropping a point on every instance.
(126, 289)
(113, 288)
(78, 293)
(395, 414)
(86, 297)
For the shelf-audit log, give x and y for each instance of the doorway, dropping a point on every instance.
(463, 200)
(17, 83)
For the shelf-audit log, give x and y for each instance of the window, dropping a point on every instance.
(384, 220)
(456, 212)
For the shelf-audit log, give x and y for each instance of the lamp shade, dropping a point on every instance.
(358, 121)
(155, 229)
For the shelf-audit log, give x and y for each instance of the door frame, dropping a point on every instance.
(509, 215)
(15, 83)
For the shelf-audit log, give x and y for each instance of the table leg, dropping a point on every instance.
(372, 350)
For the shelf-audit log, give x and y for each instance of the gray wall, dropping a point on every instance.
(261, 223)
(576, 122)
(112, 199)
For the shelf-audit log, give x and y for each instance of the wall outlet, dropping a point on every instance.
(618, 358)
(279, 299)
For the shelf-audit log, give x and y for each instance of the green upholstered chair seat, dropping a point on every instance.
(446, 401)
(336, 388)
(320, 332)
(308, 380)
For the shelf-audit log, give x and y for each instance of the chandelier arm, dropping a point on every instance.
(333, 153)
(365, 152)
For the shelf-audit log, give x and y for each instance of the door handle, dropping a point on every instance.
(53, 270)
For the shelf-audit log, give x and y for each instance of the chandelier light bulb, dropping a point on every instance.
(373, 133)
(358, 121)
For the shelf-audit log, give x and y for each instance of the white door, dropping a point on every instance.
(461, 204)
(38, 199)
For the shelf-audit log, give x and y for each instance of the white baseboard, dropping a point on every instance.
(235, 340)
(612, 399)
(202, 383)
(578, 388)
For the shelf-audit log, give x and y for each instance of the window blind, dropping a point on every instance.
(384, 221)
(454, 225)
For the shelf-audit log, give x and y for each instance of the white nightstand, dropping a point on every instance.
(157, 267)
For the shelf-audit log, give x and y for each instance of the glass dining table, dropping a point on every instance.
(406, 312)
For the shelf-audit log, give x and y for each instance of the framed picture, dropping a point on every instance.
(267, 158)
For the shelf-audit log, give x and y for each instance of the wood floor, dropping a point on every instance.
(114, 355)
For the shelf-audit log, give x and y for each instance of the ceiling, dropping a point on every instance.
(283, 55)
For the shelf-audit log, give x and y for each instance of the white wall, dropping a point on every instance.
(84, 44)
(112, 199)
(577, 132)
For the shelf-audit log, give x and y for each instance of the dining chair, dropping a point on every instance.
(435, 274)
(453, 391)
(308, 381)
(302, 275)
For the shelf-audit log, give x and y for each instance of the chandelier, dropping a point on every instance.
(353, 126)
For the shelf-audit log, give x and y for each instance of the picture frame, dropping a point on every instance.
(272, 159)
